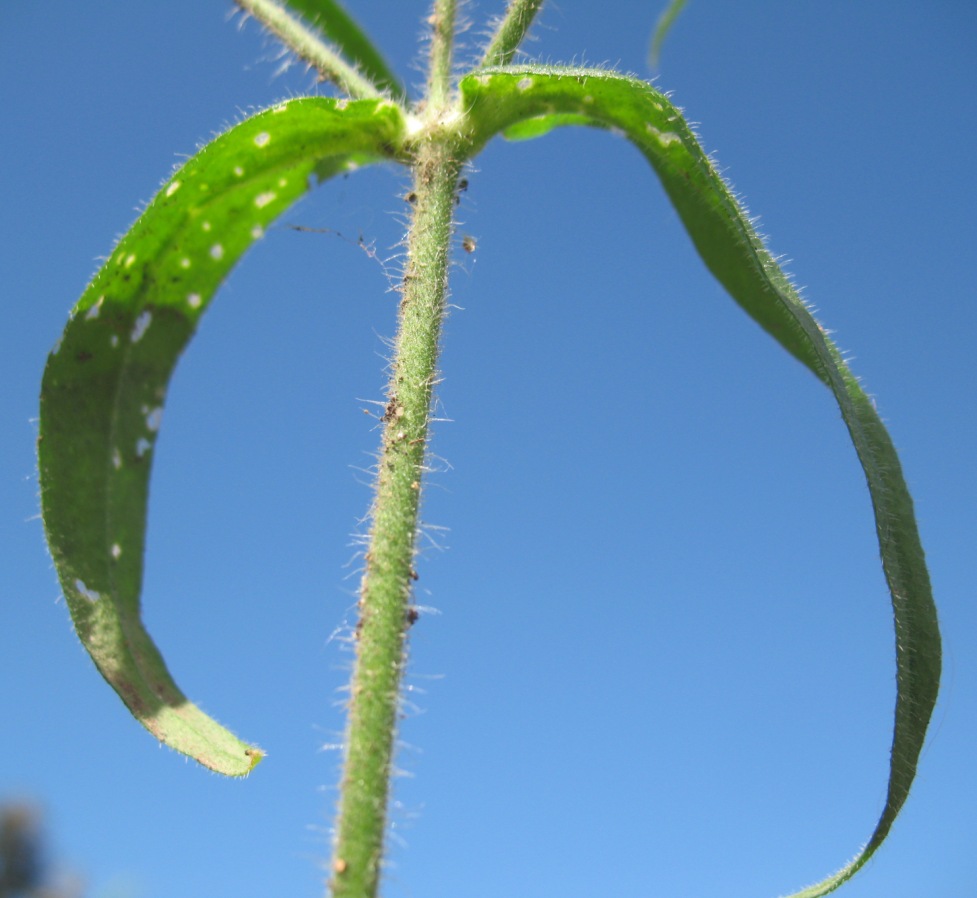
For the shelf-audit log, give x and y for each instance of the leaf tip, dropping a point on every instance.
(255, 755)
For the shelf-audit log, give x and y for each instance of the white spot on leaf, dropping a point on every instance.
(142, 447)
(205, 225)
(116, 551)
(263, 199)
(194, 300)
(130, 259)
(238, 170)
(257, 232)
(114, 340)
(262, 139)
(173, 188)
(665, 138)
(524, 83)
(217, 251)
(86, 593)
(184, 262)
(95, 308)
(142, 322)
(154, 418)
(116, 459)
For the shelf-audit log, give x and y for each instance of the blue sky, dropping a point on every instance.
(659, 655)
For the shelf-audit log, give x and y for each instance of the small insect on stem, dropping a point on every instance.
(468, 243)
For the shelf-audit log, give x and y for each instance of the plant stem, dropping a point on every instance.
(385, 613)
(303, 43)
(510, 32)
(442, 41)
(385, 592)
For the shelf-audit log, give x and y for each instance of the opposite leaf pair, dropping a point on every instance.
(105, 383)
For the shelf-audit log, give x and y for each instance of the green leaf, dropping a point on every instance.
(665, 23)
(339, 27)
(500, 99)
(105, 382)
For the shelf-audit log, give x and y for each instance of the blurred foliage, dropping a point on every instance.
(24, 869)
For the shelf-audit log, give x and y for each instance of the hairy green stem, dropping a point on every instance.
(511, 31)
(384, 606)
(329, 63)
(385, 593)
(442, 41)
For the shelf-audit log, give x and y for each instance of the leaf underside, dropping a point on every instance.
(105, 383)
(527, 102)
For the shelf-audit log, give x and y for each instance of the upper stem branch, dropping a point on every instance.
(510, 32)
(329, 63)
(442, 41)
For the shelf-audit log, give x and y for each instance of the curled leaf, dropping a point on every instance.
(105, 383)
(530, 101)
